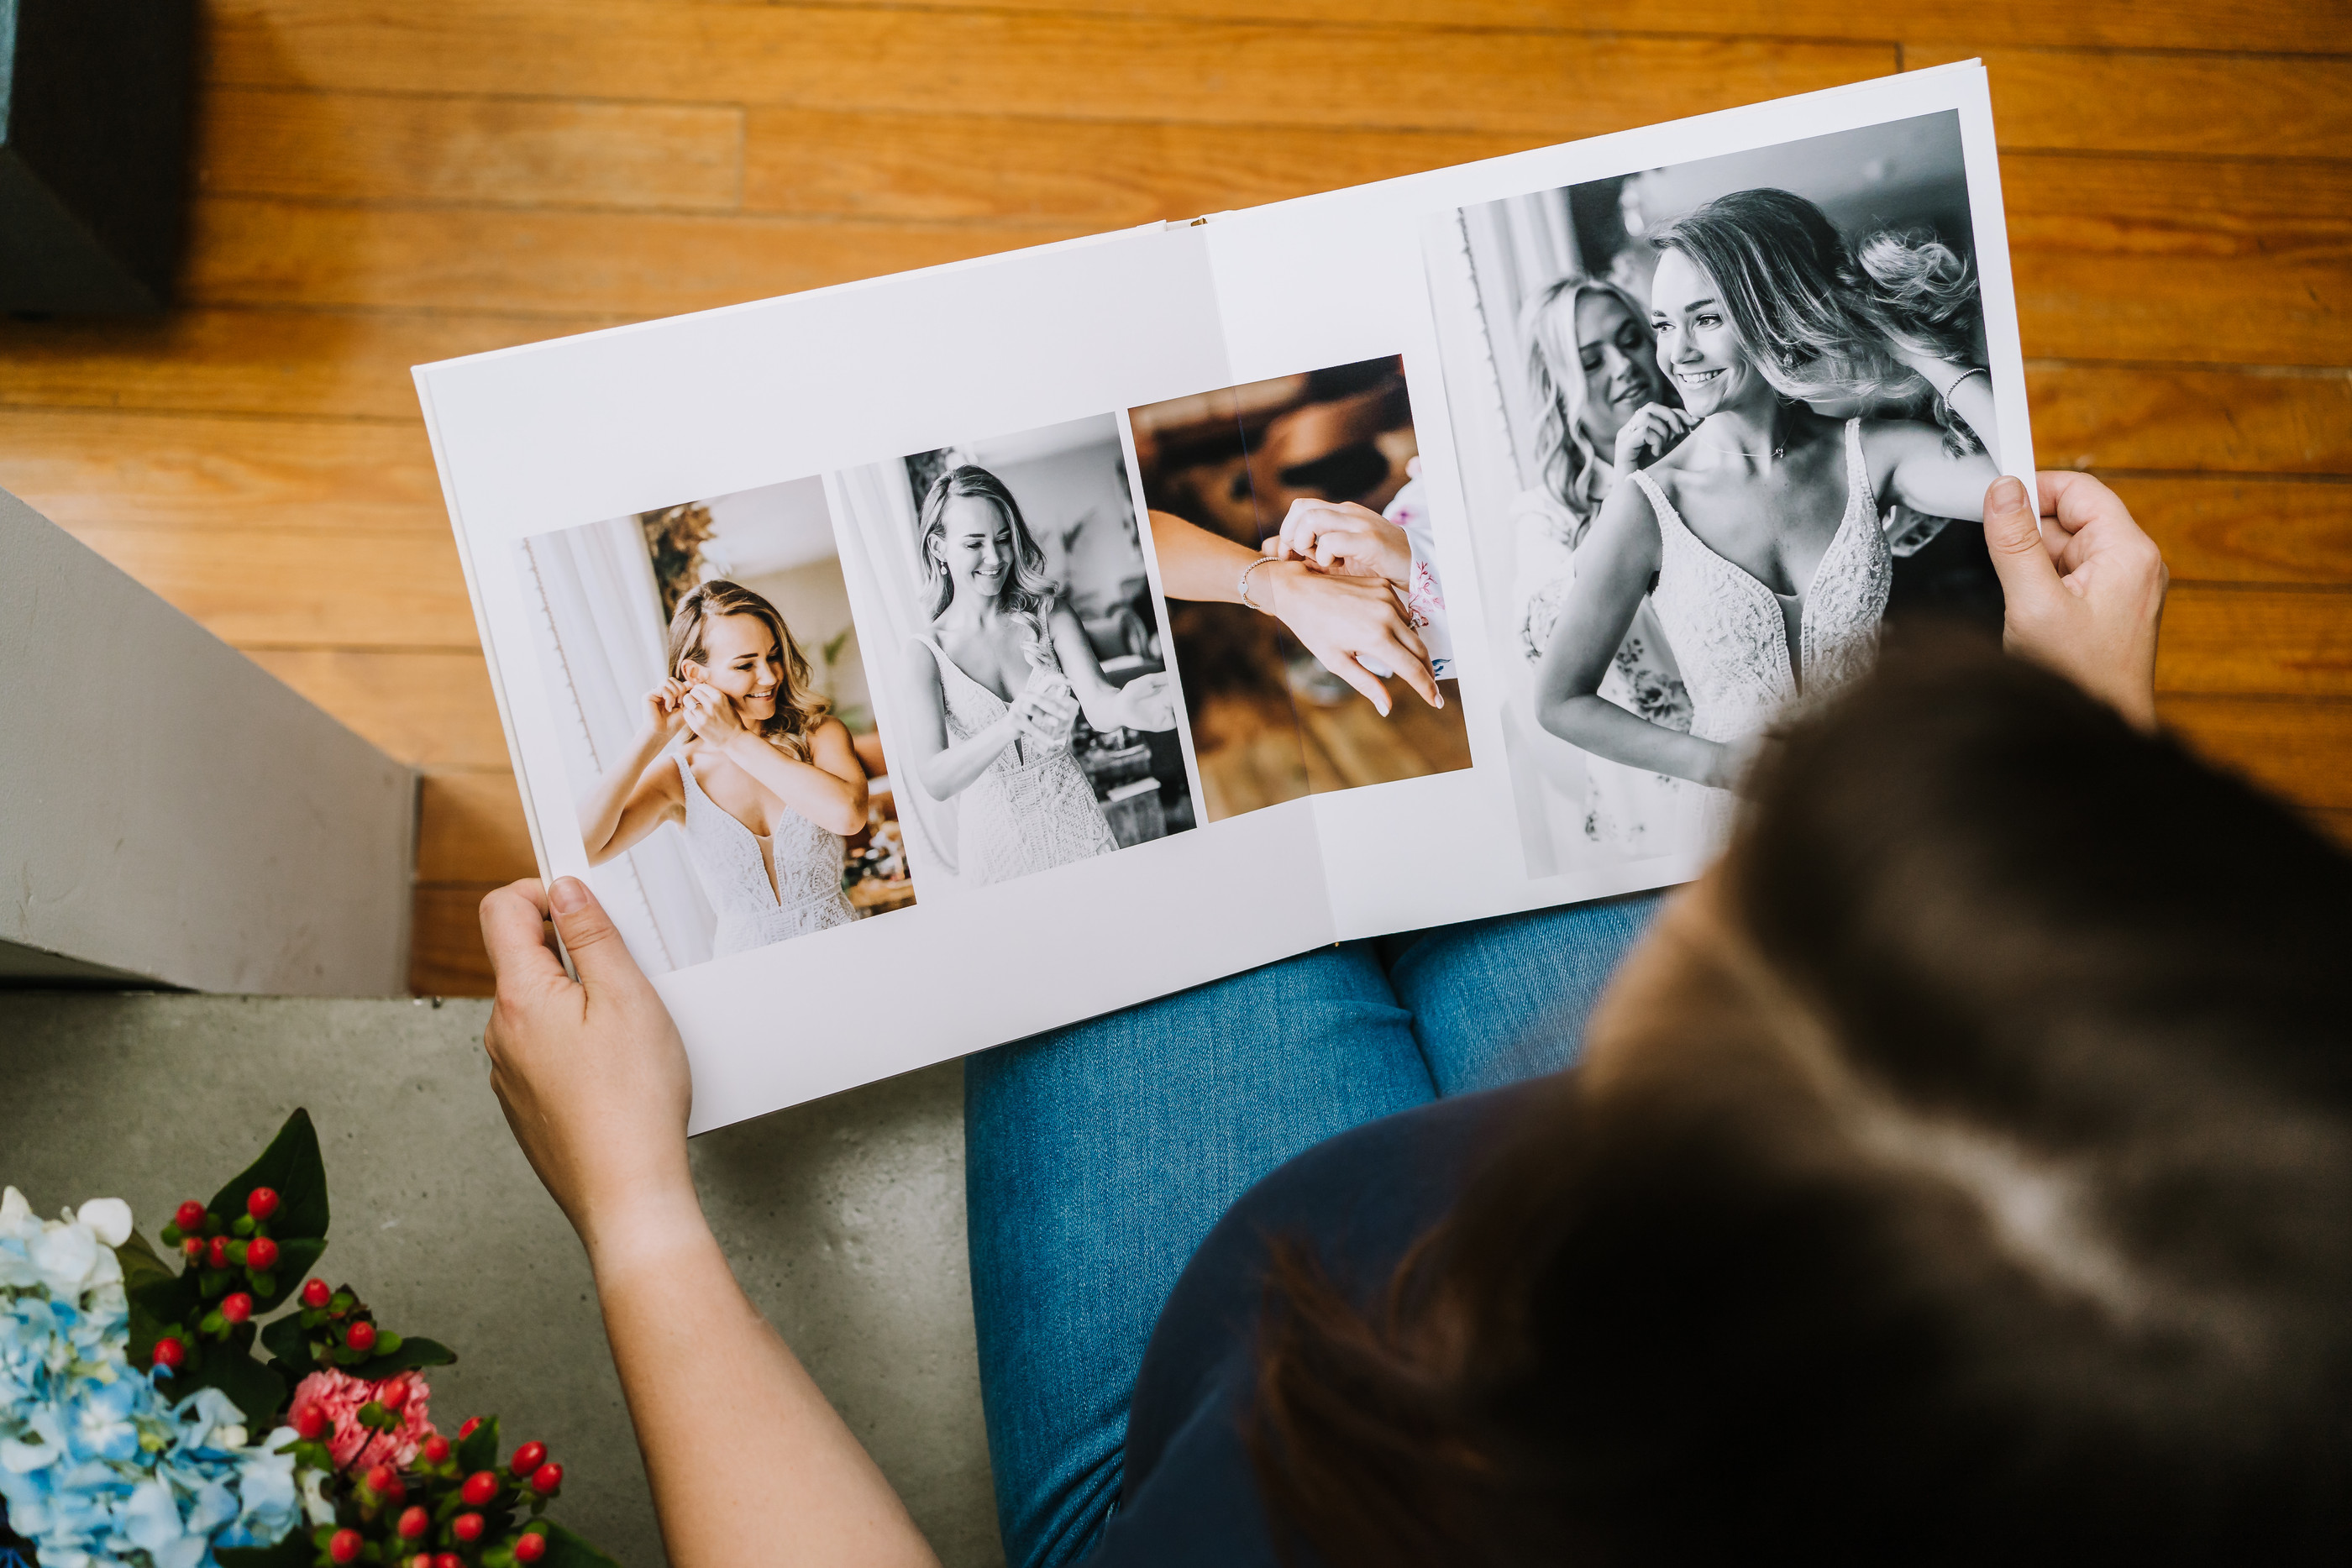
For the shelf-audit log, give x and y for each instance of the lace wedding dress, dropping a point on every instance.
(1033, 809)
(755, 909)
(1730, 632)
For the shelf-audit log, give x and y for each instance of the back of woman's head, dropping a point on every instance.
(1963, 1174)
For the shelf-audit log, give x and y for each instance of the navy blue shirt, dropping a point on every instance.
(1361, 1200)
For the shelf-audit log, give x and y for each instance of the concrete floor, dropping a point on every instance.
(843, 1220)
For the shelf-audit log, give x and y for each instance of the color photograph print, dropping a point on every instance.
(1296, 463)
(1025, 658)
(728, 780)
(1718, 421)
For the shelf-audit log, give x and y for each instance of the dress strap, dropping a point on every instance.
(1659, 504)
(1857, 468)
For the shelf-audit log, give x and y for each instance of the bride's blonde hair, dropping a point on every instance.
(800, 708)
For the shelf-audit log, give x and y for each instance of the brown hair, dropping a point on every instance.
(1978, 1187)
(800, 708)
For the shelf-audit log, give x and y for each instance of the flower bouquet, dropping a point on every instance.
(138, 1426)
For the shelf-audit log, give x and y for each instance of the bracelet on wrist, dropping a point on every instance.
(1241, 589)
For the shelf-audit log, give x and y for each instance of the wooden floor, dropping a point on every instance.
(385, 184)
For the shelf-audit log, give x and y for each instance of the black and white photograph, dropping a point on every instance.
(1718, 421)
(1333, 667)
(1023, 650)
(728, 778)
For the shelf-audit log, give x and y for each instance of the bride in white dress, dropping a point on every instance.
(1004, 672)
(1760, 530)
(766, 786)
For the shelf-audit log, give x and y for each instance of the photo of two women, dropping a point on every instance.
(1742, 401)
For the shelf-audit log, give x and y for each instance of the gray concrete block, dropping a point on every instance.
(843, 1219)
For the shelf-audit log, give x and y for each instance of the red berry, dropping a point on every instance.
(449, 1560)
(261, 1202)
(315, 1293)
(415, 1522)
(216, 1253)
(546, 1478)
(467, 1527)
(361, 1335)
(260, 1254)
(530, 1548)
(422, 1560)
(310, 1423)
(435, 1448)
(382, 1480)
(236, 1307)
(193, 1246)
(527, 1457)
(481, 1487)
(345, 1546)
(191, 1218)
(467, 1430)
(170, 1353)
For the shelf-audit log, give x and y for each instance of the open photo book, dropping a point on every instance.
(919, 664)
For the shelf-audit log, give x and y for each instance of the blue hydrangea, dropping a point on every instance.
(97, 1467)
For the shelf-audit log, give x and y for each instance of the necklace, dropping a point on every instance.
(1776, 454)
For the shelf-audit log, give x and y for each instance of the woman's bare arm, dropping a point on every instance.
(1144, 703)
(1341, 620)
(636, 795)
(748, 1461)
(1613, 569)
(829, 789)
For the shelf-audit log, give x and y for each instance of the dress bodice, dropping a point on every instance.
(1033, 809)
(805, 894)
(1730, 631)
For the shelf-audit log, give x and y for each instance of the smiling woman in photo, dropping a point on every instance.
(766, 786)
(1760, 529)
(1004, 671)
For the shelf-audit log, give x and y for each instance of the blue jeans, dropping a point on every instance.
(1098, 1156)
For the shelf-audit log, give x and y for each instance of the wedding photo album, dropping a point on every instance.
(917, 665)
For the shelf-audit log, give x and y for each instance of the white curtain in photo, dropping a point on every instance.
(603, 623)
(881, 510)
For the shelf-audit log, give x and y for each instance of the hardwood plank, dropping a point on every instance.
(1097, 174)
(2256, 643)
(260, 250)
(378, 147)
(2302, 750)
(88, 470)
(236, 360)
(444, 942)
(470, 828)
(2273, 25)
(427, 707)
(2180, 208)
(2182, 308)
(2121, 102)
(2187, 417)
(1111, 68)
(2336, 825)
(2249, 531)
(281, 588)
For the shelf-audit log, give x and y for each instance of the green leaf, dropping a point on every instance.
(157, 1299)
(293, 1165)
(481, 1451)
(290, 1343)
(409, 1353)
(252, 1387)
(294, 1550)
(565, 1549)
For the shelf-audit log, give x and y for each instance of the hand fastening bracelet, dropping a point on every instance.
(1241, 589)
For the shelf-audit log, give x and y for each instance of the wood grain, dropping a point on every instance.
(430, 708)
(2186, 417)
(306, 362)
(2284, 25)
(470, 828)
(2122, 101)
(445, 945)
(265, 587)
(2256, 642)
(1130, 66)
(2244, 530)
(2302, 750)
(380, 147)
(88, 470)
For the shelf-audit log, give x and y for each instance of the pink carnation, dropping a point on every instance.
(338, 1396)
